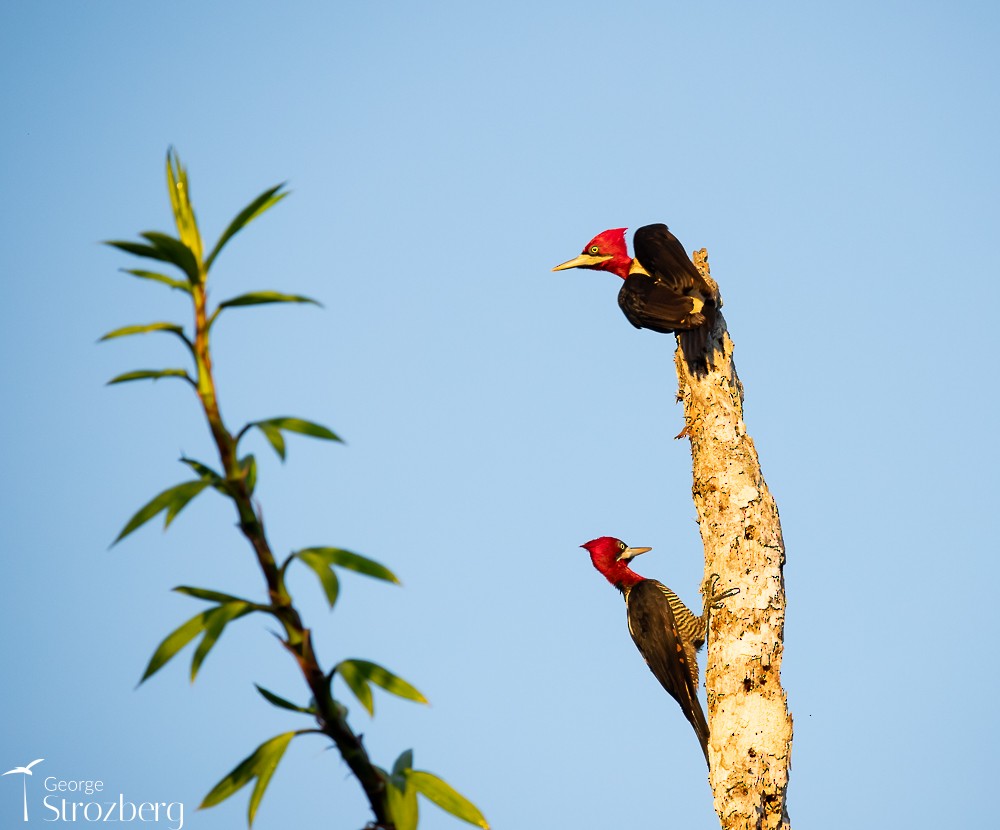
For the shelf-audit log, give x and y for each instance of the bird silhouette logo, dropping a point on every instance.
(25, 771)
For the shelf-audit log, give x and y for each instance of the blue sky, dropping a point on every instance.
(840, 165)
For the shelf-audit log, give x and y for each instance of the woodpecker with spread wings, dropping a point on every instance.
(663, 290)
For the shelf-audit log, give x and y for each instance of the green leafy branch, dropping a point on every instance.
(404, 784)
(391, 795)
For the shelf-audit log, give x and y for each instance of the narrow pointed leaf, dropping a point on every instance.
(174, 642)
(138, 249)
(274, 437)
(446, 797)
(180, 202)
(151, 374)
(268, 767)
(204, 471)
(164, 249)
(207, 594)
(403, 763)
(357, 683)
(327, 578)
(175, 252)
(172, 500)
(265, 297)
(353, 562)
(208, 475)
(241, 775)
(268, 199)
(180, 285)
(302, 427)
(248, 467)
(216, 621)
(260, 765)
(281, 703)
(401, 799)
(392, 683)
(180, 500)
(381, 676)
(125, 331)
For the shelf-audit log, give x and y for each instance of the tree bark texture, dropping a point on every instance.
(751, 728)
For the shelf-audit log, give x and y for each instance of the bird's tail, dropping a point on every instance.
(697, 718)
(698, 344)
(694, 345)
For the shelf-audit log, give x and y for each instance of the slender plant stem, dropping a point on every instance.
(330, 716)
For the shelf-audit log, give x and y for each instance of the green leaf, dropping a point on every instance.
(392, 683)
(403, 763)
(327, 578)
(268, 766)
(125, 331)
(300, 426)
(175, 252)
(401, 799)
(273, 427)
(352, 562)
(138, 249)
(206, 594)
(265, 297)
(174, 642)
(151, 374)
(164, 249)
(248, 467)
(206, 473)
(357, 683)
(274, 437)
(180, 202)
(281, 703)
(446, 797)
(216, 621)
(180, 285)
(183, 494)
(172, 500)
(380, 676)
(260, 765)
(268, 199)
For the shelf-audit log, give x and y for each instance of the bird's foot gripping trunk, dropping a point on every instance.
(713, 599)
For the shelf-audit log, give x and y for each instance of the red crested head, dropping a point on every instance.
(611, 241)
(611, 557)
(605, 252)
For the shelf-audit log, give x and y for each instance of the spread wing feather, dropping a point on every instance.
(650, 304)
(661, 253)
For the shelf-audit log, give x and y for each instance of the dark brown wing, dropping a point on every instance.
(649, 303)
(655, 633)
(661, 253)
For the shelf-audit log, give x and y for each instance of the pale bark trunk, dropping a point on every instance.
(751, 729)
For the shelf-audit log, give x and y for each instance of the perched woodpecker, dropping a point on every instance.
(666, 633)
(663, 290)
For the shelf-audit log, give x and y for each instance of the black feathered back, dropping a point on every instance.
(661, 253)
(672, 296)
(656, 633)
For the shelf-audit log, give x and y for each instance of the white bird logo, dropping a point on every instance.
(25, 771)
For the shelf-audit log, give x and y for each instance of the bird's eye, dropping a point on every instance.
(622, 546)
(594, 249)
